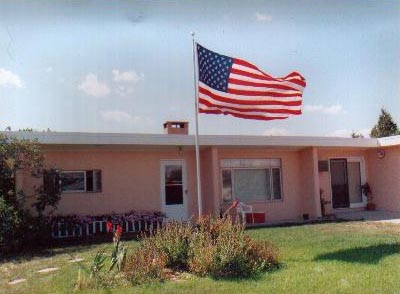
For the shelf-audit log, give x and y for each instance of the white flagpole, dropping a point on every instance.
(196, 102)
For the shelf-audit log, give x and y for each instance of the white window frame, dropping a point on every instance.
(242, 164)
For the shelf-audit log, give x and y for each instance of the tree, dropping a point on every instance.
(17, 226)
(385, 127)
(356, 135)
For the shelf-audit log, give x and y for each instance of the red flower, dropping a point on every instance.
(118, 232)
(109, 226)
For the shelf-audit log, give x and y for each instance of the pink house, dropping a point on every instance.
(281, 176)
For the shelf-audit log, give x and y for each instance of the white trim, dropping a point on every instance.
(389, 141)
(185, 213)
(118, 139)
(359, 159)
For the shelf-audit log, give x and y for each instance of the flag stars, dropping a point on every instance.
(214, 68)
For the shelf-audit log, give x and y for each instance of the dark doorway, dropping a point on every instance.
(339, 181)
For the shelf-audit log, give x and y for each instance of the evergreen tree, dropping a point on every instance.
(385, 127)
(356, 135)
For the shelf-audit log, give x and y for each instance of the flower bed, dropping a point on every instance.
(68, 226)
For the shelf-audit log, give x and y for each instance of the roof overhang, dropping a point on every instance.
(142, 140)
(389, 141)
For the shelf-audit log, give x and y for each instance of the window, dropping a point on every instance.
(251, 180)
(81, 181)
(173, 185)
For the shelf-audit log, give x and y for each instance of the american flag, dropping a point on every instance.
(232, 86)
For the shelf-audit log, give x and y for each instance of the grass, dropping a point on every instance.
(352, 257)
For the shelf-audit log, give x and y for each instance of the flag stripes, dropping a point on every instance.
(236, 87)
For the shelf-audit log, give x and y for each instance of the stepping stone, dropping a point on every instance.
(76, 260)
(16, 281)
(49, 270)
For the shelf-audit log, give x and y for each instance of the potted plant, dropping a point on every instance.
(324, 202)
(366, 190)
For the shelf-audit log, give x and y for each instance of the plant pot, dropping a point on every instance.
(371, 206)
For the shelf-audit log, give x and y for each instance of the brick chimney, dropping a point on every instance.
(176, 127)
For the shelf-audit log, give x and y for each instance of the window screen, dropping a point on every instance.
(251, 180)
(73, 181)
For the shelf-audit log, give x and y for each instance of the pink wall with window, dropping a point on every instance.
(131, 178)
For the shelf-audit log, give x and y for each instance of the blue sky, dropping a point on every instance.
(126, 66)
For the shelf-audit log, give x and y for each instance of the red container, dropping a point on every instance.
(259, 217)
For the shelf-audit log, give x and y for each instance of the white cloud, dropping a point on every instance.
(119, 116)
(49, 69)
(9, 79)
(365, 132)
(263, 17)
(115, 116)
(333, 109)
(340, 133)
(126, 76)
(93, 87)
(124, 81)
(347, 133)
(275, 132)
(123, 90)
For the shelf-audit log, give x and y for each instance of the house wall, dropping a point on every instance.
(384, 178)
(130, 180)
(310, 203)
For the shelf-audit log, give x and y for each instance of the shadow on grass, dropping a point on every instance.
(301, 223)
(27, 255)
(254, 277)
(367, 255)
(61, 246)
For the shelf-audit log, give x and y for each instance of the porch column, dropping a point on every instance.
(215, 180)
(317, 201)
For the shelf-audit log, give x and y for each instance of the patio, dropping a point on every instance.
(377, 215)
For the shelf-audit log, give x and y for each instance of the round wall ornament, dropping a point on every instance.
(381, 153)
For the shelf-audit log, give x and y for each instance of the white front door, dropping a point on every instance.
(174, 189)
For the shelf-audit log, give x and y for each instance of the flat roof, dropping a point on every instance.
(115, 139)
(389, 141)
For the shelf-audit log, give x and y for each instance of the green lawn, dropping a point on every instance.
(352, 257)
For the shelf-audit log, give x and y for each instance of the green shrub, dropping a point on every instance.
(214, 247)
(11, 221)
(146, 264)
(173, 240)
(20, 230)
(221, 249)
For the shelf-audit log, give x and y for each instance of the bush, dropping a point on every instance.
(214, 247)
(20, 230)
(146, 264)
(173, 240)
(11, 221)
(222, 249)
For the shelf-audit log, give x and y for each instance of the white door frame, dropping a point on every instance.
(359, 159)
(177, 211)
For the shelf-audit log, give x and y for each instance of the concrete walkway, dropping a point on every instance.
(378, 216)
